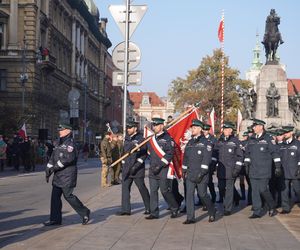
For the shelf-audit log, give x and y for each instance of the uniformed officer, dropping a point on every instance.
(161, 151)
(230, 158)
(63, 163)
(133, 169)
(261, 150)
(290, 160)
(106, 159)
(212, 167)
(196, 161)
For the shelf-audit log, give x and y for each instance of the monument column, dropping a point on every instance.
(13, 26)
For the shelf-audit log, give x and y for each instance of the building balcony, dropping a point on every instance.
(47, 63)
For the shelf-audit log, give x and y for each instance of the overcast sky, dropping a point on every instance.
(175, 35)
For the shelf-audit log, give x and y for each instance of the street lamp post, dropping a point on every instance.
(23, 76)
(85, 107)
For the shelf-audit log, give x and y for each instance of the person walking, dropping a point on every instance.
(63, 164)
(3, 148)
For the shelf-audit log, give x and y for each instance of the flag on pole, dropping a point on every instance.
(239, 121)
(212, 121)
(221, 31)
(22, 132)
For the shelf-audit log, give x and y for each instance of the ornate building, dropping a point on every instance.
(48, 48)
(148, 105)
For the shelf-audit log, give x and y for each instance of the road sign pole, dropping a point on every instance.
(126, 65)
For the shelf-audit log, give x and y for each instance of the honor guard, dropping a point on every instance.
(196, 161)
(161, 151)
(230, 158)
(63, 163)
(260, 152)
(290, 160)
(133, 169)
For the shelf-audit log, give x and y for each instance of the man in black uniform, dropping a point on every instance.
(63, 163)
(161, 150)
(133, 169)
(260, 152)
(290, 160)
(196, 161)
(230, 160)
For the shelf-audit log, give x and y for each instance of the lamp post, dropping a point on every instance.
(23, 75)
(84, 81)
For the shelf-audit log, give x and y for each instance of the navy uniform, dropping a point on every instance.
(230, 160)
(133, 170)
(290, 160)
(160, 157)
(260, 152)
(196, 161)
(211, 140)
(63, 163)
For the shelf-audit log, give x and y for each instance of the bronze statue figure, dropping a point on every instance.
(272, 100)
(272, 36)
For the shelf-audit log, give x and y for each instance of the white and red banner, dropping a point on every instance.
(181, 134)
(22, 132)
(221, 31)
(239, 121)
(212, 118)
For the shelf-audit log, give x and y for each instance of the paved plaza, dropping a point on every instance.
(25, 200)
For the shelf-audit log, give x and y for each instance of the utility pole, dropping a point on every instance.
(23, 75)
(85, 107)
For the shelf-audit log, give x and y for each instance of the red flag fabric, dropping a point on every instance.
(239, 121)
(181, 134)
(212, 119)
(22, 132)
(221, 31)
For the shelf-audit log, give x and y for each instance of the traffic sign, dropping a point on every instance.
(134, 56)
(136, 13)
(134, 78)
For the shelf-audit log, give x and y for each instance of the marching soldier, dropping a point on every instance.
(106, 159)
(196, 161)
(230, 158)
(212, 168)
(63, 163)
(161, 150)
(133, 169)
(260, 152)
(290, 153)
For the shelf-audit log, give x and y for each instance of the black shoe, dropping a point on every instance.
(174, 214)
(52, 223)
(147, 212)
(212, 218)
(254, 216)
(183, 210)
(273, 212)
(151, 217)
(204, 208)
(121, 213)
(86, 218)
(285, 212)
(227, 213)
(168, 208)
(189, 222)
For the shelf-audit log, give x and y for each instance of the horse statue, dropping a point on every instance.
(272, 36)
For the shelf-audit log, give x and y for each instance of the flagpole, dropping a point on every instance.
(223, 66)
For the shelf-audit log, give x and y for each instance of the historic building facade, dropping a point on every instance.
(49, 49)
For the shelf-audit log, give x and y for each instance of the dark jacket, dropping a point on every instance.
(64, 161)
(135, 160)
(166, 145)
(290, 158)
(197, 157)
(260, 153)
(212, 141)
(229, 156)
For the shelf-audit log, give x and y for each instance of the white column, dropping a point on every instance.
(13, 25)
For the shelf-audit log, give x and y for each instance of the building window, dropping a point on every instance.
(3, 78)
(1, 35)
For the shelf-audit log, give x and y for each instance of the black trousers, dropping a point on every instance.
(286, 186)
(56, 203)
(126, 188)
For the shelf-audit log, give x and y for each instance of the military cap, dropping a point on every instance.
(197, 123)
(246, 133)
(228, 125)
(131, 124)
(157, 121)
(273, 126)
(206, 126)
(64, 126)
(288, 128)
(258, 122)
(297, 133)
(280, 132)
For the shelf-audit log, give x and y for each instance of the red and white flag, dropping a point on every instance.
(212, 119)
(239, 121)
(22, 132)
(221, 30)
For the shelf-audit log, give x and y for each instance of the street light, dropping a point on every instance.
(23, 75)
(84, 81)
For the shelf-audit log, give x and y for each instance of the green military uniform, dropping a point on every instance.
(106, 159)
